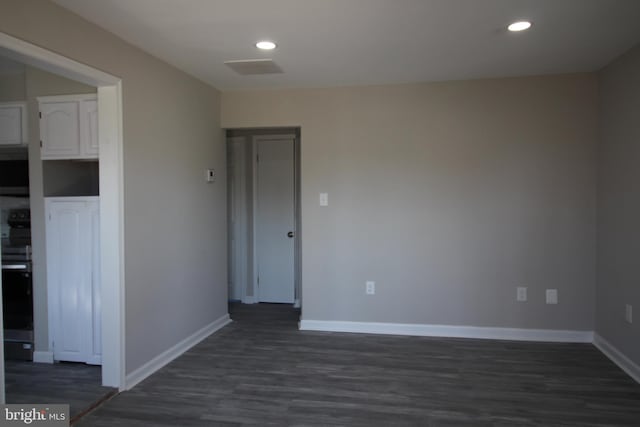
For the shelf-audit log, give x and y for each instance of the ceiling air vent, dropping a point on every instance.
(248, 67)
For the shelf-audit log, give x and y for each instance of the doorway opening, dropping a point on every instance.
(104, 124)
(264, 231)
(50, 241)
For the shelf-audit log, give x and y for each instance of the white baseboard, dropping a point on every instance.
(249, 300)
(617, 357)
(43, 357)
(511, 334)
(167, 356)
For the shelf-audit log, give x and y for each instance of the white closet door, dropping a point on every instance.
(73, 279)
(66, 279)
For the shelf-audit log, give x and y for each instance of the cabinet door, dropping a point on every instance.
(89, 128)
(69, 305)
(60, 129)
(12, 124)
(73, 279)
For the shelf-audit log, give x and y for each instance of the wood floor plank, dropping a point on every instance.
(262, 371)
(75, 384)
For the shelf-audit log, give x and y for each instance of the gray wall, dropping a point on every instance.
(619, 204)
(448, 195)
(41, 83)
(12, 87)
(175, 223)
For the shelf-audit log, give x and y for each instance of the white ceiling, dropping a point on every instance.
(356, 42)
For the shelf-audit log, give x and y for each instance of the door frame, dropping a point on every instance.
(255, 140)
(237, 198)
(110, 138)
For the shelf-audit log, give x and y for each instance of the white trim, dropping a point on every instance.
(65, 98)
(48, 199)
(511, 334)
(43, 357)
(30, 54)
(254, 219)
(297, 228)
(249, 299)
(617, 357)
(172, 353)
(110, 137)
(238, 254)
(112, 253)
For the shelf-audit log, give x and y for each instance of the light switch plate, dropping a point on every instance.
(521, 294)
(371, 287)
(210, 175)
(552, 296)
(324, 199)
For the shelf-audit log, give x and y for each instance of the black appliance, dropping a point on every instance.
(17, 287)
(14, 178)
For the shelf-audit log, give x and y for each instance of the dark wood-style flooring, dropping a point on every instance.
(262, 371)
(75, 384)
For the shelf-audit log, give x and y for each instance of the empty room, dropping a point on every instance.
(320, 212)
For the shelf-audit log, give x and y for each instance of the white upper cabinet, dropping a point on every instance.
(69, 127)
(89, 126)
(59, 130)
(13, 123)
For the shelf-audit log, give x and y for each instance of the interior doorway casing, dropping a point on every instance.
(237, 211)
(110, 138)
(249, 138)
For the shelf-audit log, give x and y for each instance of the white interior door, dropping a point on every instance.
(275, 219)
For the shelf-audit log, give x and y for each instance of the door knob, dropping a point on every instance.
(290, 234)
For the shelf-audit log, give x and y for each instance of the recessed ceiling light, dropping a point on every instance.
(519, 26)
(265, 45)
